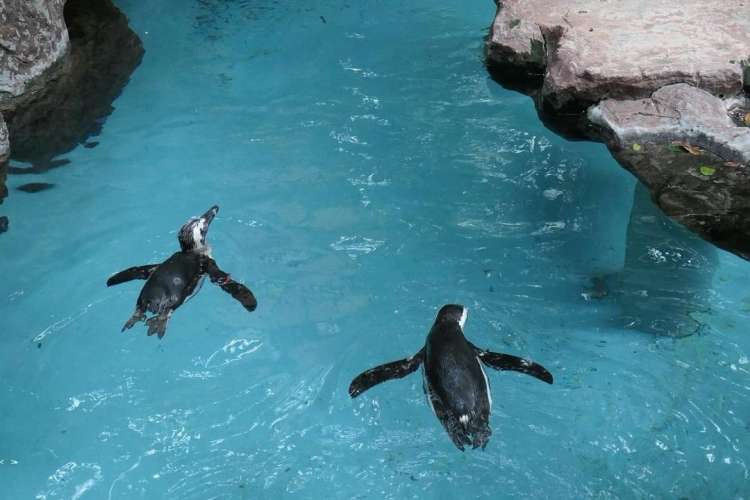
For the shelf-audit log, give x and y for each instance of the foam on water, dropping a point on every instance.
(367, 171)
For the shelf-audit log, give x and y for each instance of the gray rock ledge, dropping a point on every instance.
(640, 76)
(592, 49)
(676, 112)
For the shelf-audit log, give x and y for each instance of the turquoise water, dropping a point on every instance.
(367, 171)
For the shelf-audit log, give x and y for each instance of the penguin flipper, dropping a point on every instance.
(238, 291)
(388, 371)
(500, 361)
(132, 273)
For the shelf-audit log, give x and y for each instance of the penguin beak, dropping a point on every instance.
(209, 215)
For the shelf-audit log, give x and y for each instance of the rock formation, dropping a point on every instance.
(4, 154)
(642, 77)
(33, 39)
(57, 86)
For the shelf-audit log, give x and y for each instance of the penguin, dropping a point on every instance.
(171, 283)
(454, 380)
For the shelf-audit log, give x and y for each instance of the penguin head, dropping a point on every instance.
(453, 312)
(192, 234)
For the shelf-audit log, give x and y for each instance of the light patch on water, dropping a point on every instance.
(367, 100)
(234, 351)
(550, 227)
(345, 137)
(552, 194)
(356, 245)
(65, 322)
(384, 122)
(249, 222)
(657, 255)
(348, 66)
(496, 229)
(72, 480)
(369, 180)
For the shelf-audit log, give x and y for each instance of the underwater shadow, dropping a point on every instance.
(663, 275)
(666, 276)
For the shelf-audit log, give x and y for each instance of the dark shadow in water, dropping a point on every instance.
(3, 176)
(666, 276)
(3, 194)
(35, 187)
(571, 123)
(78, 97)
(667, 272)
(214, 16)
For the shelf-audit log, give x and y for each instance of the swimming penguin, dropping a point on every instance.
(454, 380)
(176, 279)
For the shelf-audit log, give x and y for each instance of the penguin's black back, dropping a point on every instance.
(172, 282)
(453, 371)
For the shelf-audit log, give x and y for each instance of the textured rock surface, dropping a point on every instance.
(648, 74)
(591, 49)
(33, 37)
(676, 112)
(4, 144)
(4, 154)
(70, 101)
(703, 192)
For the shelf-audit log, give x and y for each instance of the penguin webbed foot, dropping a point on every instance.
(463, 436)
(135, 318)
(157, 325)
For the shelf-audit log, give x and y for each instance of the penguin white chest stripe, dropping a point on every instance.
(197, 288)
(486, 382)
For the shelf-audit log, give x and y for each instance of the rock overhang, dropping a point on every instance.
(645, 74)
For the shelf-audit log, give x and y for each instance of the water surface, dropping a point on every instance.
(368, 170)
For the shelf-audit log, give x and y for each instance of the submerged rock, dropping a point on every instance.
(642, 77)
(64, 90)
